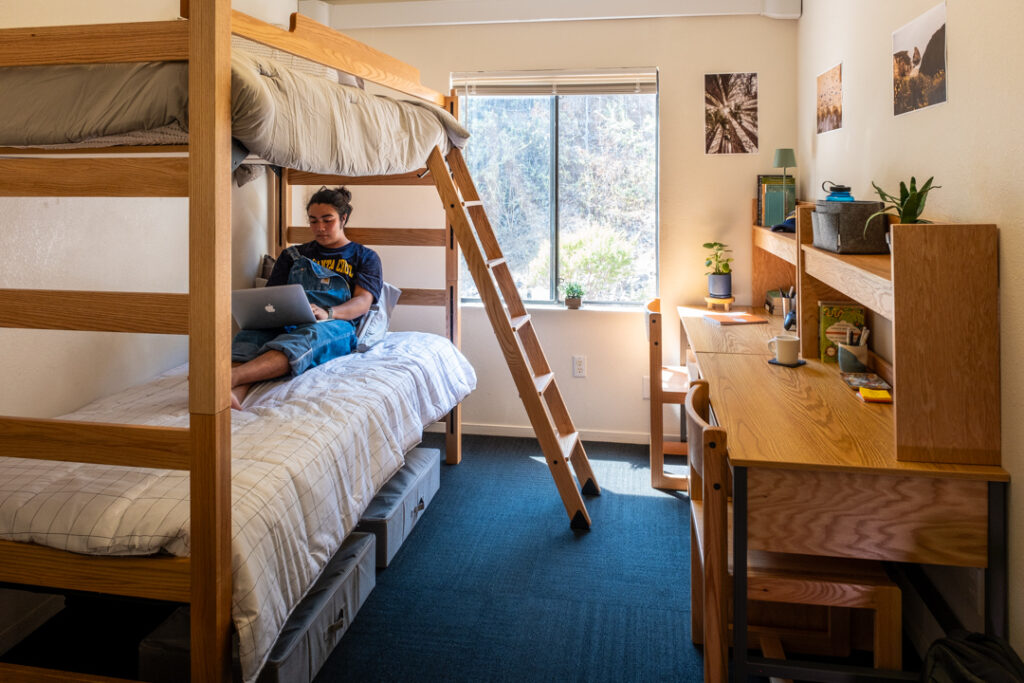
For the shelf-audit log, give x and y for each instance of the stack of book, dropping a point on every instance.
(773, 198)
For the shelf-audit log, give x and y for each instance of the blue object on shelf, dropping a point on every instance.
(788, 225)
(837, 193)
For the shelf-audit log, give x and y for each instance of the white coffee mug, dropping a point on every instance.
(786, 348)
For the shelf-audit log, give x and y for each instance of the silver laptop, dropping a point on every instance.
(262, 308)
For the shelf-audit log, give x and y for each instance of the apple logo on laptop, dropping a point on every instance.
(269, 308)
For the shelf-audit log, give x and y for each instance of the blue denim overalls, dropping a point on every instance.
(306, 346)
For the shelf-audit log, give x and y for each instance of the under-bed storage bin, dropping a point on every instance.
(310, 634)
(22, 612)
(401, 502)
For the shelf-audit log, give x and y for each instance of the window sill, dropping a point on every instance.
(552, 307)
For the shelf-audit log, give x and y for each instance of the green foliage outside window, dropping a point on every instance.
(605, 181)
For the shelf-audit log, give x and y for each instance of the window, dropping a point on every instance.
(567, 167)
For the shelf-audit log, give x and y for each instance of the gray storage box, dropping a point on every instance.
(310, 634)
(839, 227)
(22, 612)
(401, 502)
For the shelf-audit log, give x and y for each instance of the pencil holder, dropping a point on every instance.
(852, 358)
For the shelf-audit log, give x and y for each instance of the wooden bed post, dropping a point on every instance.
(210, 336)
(453, 327)
(284, 211)
(453, 317)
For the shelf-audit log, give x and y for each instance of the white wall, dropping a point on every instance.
(105, 244)
(972, 144)
(702, 197)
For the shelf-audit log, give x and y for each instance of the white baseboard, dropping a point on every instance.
(526, 431)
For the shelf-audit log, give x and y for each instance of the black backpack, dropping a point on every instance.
(965, 657)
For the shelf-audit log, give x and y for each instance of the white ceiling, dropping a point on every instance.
(354, 14)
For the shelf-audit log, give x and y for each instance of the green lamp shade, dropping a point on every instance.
(784, 158)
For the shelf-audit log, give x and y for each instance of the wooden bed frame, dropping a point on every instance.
(203, 175)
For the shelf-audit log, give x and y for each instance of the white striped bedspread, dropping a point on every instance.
(308, 454)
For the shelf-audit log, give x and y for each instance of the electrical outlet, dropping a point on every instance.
(579, 366)
(645, 390)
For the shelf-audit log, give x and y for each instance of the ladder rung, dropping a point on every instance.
(495, 262)
(473, 203)
(567, 442)
(519, 321)
(543, 381)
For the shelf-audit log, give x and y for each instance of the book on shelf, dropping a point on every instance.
(775, 201)
(835, 319)
(765, 179)
(734, 319)
(874, 395)
(866, 380)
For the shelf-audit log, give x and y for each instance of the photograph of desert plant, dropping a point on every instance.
(919, 62)
(730, 113)
(830, 99)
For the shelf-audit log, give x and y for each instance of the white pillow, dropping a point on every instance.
(374, 324)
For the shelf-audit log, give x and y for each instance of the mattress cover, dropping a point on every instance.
(308, 455)
(287, 117)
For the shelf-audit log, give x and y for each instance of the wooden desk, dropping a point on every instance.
(815, 472)
(701, 335)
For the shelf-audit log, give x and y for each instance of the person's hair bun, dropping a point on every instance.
(340, 198)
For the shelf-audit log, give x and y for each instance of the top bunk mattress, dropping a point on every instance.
(286, 116)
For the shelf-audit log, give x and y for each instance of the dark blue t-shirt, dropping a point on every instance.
(358, 265)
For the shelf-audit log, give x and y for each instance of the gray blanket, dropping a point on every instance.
(286, 117)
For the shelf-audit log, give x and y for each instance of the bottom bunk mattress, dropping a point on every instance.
(308, 455)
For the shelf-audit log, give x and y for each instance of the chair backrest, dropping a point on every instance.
(709, 475)
(652, 320)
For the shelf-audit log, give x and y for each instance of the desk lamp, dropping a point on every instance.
(785, 158)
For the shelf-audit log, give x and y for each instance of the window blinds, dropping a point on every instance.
(617, 81)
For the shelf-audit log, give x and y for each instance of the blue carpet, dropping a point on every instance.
(493, 585)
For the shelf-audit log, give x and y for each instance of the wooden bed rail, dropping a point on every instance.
(322, 44)
(152, 41)
(18, 673)
(400, 237)
(124, 445)
(94, 177)
(53, 309)
(421, 177)
(158, 578)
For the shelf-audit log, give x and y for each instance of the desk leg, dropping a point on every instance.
(739, 581)
(996, 617)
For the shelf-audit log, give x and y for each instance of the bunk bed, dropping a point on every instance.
(177, 433)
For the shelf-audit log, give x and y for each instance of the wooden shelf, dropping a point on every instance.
(865, 278)
(780, 244)
(946, 408)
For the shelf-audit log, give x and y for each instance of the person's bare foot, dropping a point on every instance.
(238, 395)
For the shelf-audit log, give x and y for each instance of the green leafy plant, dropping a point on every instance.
(573, 290)
(908, 206)
(717, 260)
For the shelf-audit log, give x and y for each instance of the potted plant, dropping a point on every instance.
(573, 294)
(720, 275)
(908, 206)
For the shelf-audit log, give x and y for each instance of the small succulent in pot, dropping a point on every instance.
(573, 292)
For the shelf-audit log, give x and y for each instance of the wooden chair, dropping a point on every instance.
(669, 384)
(771, 577)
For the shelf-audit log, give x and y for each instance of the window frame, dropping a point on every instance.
(466, 87)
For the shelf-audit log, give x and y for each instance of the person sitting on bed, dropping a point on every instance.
(342, 280)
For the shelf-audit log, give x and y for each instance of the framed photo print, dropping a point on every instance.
(730, 113)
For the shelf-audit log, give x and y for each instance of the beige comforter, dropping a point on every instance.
(286, 117)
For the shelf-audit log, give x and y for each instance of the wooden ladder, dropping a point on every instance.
(534, 379)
